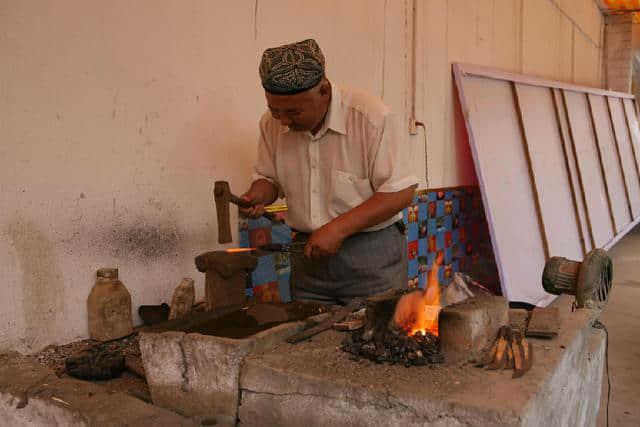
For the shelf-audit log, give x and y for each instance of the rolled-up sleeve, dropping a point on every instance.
(391, 169)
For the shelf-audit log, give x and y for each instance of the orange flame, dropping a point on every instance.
(232, 250)
(418, 311)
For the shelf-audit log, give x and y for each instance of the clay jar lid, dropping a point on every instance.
(107, 273)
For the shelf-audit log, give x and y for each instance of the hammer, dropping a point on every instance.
(222, 196)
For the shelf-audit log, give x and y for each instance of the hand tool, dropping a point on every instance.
(223, 196)
(338, 316)
(294, 248)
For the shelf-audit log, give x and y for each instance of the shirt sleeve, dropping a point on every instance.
(391, 169)
(265, 167)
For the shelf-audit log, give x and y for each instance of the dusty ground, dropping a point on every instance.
(53, 357)
(622, 319)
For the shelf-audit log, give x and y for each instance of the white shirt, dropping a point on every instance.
(360, 149)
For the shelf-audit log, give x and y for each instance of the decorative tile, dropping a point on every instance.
(457, 225)
(422, 280)
(414, 282)
(412, 231)
(422, 247)
(267, 292)
(280, 233)
(265, 271)
(423, 229)
(423, 211)
(259, 236)
(440, 240)
(413, 267)
(243, 238)
(412, 247)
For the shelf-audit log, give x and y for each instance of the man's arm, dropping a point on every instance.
(262, 192)
(378, 208)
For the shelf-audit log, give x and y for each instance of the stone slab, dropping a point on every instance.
(31, 394)
(316, 384)
(468, 328)
(198, 375)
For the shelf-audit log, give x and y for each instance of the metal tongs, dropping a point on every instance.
(292, 248)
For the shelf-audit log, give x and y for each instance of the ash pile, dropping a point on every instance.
(382, 342)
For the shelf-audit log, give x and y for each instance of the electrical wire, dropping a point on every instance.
(426, 161)
(599, 325)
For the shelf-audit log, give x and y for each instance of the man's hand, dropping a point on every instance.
(262, 192)
(325, 241)
(256, 211)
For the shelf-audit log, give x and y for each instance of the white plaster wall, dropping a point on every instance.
(117, 117)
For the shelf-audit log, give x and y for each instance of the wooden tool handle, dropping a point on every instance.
(240, 202)
(247, 204)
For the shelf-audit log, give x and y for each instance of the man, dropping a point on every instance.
(341, 160)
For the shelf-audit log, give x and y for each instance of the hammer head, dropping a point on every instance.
(222, 196)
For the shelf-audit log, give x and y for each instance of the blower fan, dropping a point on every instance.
(590, 280)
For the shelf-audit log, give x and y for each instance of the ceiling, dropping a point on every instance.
(621, 6)
(613, 6)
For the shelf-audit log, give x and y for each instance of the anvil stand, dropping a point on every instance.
(225, 277)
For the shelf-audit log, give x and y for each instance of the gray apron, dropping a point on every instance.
(366, 264)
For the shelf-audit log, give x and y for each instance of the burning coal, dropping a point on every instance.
(394, 346)
(401, 330)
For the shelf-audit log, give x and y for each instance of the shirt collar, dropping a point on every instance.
(334, 119)
(335, 115)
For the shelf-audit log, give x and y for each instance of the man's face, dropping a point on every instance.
(303, 111)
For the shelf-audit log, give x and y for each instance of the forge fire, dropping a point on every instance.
(401, 328)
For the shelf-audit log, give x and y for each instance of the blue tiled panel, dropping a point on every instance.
(454, 214)
(452, 217)
(265, 271)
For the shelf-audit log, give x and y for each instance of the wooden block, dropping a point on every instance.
(544, 322)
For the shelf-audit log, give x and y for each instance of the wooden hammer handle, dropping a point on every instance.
(240, 202)
(247, 204)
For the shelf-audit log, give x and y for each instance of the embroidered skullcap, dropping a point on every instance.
(292, 68)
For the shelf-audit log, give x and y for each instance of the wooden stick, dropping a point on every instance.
(565, 144)
(532, 178)
(601, 162)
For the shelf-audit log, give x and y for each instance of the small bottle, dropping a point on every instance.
(109, 307)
